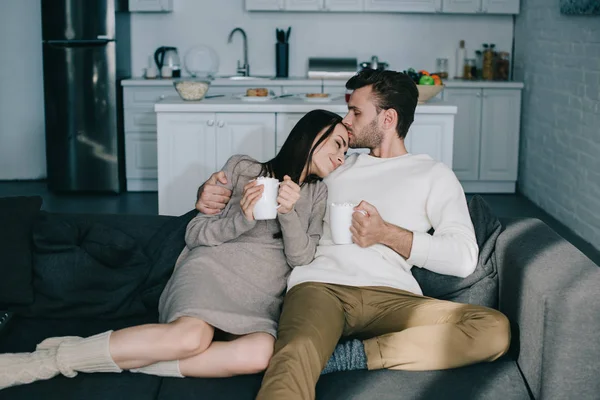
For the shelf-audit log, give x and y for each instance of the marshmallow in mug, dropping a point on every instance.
(266, 207)
(340, 221)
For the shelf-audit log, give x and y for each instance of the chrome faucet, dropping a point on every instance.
(244, 70)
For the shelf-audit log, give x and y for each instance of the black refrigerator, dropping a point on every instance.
(86, 53)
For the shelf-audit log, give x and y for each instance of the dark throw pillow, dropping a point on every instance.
(16, 219)
(84, 269)
(481, 287)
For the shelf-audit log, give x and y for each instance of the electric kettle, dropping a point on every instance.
(168, 57)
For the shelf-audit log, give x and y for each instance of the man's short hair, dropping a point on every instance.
(391, 89)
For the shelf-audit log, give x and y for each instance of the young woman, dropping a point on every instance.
(228, 282)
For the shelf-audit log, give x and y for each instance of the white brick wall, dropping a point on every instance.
(558, 58)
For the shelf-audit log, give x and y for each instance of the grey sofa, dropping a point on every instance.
(547, 288)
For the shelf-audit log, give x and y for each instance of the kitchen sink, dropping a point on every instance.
(244, 78)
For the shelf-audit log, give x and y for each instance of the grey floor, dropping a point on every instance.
(146, 203)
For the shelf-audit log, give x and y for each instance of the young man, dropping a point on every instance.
(365, 290)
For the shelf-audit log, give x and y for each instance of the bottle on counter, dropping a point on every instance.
(461, 54)
(469, 69)
(478, 64)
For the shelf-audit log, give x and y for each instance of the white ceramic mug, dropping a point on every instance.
(340, 221)
(266, 207)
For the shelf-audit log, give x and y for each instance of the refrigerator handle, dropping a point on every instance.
(77, 43)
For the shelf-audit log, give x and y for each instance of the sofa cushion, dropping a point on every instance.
(481, 287)
(163, 249)
(16, 219)
(23, 334)
(85, 270)
(498, 380)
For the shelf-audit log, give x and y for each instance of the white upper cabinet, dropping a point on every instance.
(462, 6)
(265, 5)
(304, 5)
(426, 6)
(150, 5)
(343, 5)
(401, 6)
(500, 6)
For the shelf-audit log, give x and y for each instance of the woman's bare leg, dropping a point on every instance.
(248, 354)
(143, 345)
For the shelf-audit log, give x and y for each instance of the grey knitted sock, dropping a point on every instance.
(347, 356)
(162, 368)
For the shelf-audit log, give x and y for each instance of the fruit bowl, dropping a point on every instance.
(191, 89)
(426, 92)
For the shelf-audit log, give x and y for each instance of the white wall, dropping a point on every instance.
(403, 40)
(558, 58)
(22, 143)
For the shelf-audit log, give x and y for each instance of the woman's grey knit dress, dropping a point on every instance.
(232, 273)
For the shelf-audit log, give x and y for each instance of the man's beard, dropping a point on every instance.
(370, 137)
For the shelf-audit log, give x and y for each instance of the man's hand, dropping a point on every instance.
(289, 193)
(371, 229)
(367, 227)
(212, 198)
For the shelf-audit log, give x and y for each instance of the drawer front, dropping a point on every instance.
(146, 97)
(140, 120)
(140, 156)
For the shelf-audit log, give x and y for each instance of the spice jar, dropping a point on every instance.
(469, 69)
(442, 67)
(502, 66)
(487, 69)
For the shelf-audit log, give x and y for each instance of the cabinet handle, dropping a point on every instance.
(478, 94)
(210, 122)
(162, 97)
(221, 124)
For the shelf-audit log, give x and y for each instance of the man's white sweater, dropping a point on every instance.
(413, 192)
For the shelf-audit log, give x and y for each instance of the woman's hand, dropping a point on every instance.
(252, 193)
(289, 193)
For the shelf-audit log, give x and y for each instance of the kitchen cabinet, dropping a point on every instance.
(500, 122)
(462, 6)
(343, 5)
(191, 146)
(500, 6)
(265, 5)
(192, 143)
(481, 6)
(486, 139)
(304, 5)
(425, 6)
(150, 5)
(467, 126)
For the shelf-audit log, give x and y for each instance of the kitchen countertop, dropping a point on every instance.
(232, 82)
(286, 104)
(450, 83)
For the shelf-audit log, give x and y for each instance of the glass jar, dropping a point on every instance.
(487, 69)
(503, 66)
(470, 67)
(442, 67)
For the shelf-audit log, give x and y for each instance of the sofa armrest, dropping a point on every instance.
(550, 292)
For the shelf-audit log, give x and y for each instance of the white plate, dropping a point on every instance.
(255, 99)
